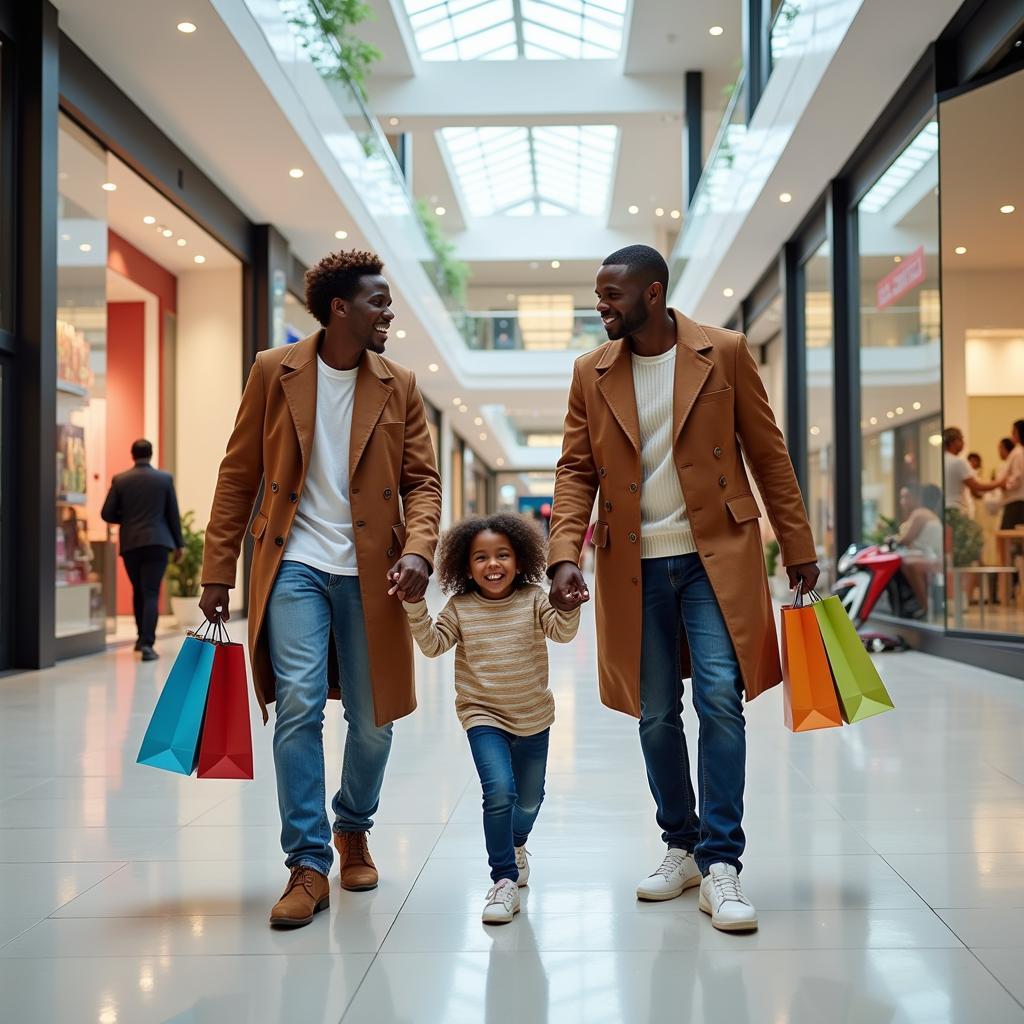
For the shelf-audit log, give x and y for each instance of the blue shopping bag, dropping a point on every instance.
(172, 739)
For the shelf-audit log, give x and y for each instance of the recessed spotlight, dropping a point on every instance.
(728, 293)
(890, 415)
(463, 408)
(296, 172)
(65, 238)
(899, 410)
(510, 297)
(85, 247)
(433, 367)
(500, 461)
(897, 259)
(393, 121)
(199, 259)
(675, 215)
(186, 27)
(399, 334)
(1008, 208)
(917, 405)
(960, 250)
(634, 209)
(483, 436)
(456, 401)
(659, 212)
(555, 264)
(873, 421)
(167, 233)
(440, 211)
(785, 197)
(341, 235)
(715, 30)
(108, 186)
(182, 242)
(149, 220)
(478, 421)
(815, 431)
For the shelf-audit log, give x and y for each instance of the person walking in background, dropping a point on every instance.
(142, 502)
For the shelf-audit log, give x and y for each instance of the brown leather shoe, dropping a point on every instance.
(358, 872)
(307, 893)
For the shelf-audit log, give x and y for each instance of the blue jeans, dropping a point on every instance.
(511, 770)
(677, 594)
(306, 606)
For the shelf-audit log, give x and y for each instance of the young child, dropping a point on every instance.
(498, 619)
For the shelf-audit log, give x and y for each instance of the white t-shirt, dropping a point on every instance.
(322, 535)
(958, 472)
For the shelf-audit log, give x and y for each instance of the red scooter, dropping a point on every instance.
(865, 574)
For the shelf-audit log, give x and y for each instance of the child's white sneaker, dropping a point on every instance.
(721, 896)
(502, 902)
(677, 873)
(523, 864)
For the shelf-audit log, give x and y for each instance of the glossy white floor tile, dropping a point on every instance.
(886, 861)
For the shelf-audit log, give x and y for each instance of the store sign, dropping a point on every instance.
(900, 280)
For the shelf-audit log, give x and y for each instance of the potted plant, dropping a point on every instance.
(183, 577)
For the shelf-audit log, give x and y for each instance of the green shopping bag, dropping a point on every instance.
(860, 688)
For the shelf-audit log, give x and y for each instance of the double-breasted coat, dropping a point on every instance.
(394, 491)
(721, 414)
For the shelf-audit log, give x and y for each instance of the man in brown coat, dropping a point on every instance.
(659, 422)
(337, 436)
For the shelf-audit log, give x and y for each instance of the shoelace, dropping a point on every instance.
(300, 876)
(521, 854)
(357, 846)
(507, 894)
(728, 888)
(670, 864)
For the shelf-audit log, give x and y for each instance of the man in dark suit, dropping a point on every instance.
(142, 501)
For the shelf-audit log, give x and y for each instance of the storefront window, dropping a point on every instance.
(983, 353)
(901, 372)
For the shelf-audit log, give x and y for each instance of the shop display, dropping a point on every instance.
(71, 477)
(73, 358)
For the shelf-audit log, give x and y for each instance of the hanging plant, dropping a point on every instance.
(452, 273)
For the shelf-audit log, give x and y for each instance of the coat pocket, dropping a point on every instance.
(259, 525)
(743, 508)
(599, 538)
(399, 531)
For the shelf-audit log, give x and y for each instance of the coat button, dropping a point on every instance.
(607, 506)
(718, 452)
(722, 481)
(387, 492)
(360, 522)
(293, 496)
(390, 552)
(632, 538)
(633, 488)
(279, 541)
(602, 472)
(274, 487)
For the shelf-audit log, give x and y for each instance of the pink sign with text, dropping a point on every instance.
(900, 280)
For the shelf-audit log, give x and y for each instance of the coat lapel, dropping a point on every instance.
(616, 384)
(692, 369)
(299, 385)
(372, 394)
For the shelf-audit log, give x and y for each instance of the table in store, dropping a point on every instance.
(1005, 540)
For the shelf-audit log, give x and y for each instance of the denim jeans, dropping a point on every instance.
(306, 606)
(511, 770)
(677, 594)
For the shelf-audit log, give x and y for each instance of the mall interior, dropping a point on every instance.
(839, 180)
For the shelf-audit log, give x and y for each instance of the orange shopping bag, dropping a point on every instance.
(809, 693)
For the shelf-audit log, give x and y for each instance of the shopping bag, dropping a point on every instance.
(809, 694)
(172, 739)
(225, 748)
(860, 688)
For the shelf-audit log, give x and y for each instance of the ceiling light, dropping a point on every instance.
(890, 415)
(659, 212)
(85, 247)
(815, 431)
(440, 211)
(960, 250)
(510, 297)
(785, 197)
(899, 410)
(341, 235)
(456, 401)
(728, 293)
(715, 30)
(393, 121)
(897, 259)
(500, 462)
(199, 259)
(1008, 208)
(478, 421)
(555, 264)
(463, 408)
(917, 405)
(675, 215)
(108, 186)
(483, 437)
(186, 27)
(399, 334)
(149, 220)
(634, 209)
(433, 367)
(296, 172)
(65, 238)
(181, 241)
(873, 421)
(167, 233)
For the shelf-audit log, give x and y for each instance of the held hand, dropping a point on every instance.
(568, 587)
(214, 602)
(807, 574)
(408, 578)
(179, 554)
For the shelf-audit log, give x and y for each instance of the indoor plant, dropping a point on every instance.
(183, 577)
(452, 274)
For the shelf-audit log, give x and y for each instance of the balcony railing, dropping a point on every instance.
(550, 331)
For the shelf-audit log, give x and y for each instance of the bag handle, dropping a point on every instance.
(800, 591)
(213, 631)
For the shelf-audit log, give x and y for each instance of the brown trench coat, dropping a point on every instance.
(721, 413)
(392, 470)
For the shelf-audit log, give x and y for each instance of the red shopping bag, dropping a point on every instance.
(809, 693)
(225, 747)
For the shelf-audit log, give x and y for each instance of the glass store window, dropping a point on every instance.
(901, 373)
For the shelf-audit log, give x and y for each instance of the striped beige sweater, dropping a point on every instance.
(501, 657)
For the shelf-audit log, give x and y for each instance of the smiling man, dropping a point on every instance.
(660, 419)
(337, 436)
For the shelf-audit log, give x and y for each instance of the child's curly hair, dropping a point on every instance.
(526, 540)
(337, 276)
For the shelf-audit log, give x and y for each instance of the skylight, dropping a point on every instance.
(509, 29)
(545, 171)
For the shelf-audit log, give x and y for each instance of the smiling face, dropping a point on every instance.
(368, 315)
(623, 300)
(492, 564)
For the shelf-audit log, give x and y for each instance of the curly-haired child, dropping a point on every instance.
(497, 619)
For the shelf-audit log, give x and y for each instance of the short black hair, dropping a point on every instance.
(337, 276)
(526, 540)
(931, 498)
(1007, 443)
(950, 435)
(643, 260)
(974, 455)
(1018, 425)
(142, 449)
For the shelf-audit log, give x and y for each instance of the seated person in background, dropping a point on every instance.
(921, 537)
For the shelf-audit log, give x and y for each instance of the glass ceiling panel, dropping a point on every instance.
(546, 171)
(506, 30)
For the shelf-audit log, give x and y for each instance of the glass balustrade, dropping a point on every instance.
(572, 329)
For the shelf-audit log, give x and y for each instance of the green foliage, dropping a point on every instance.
(771, 556)
(885, 527)
(183, 577)
(321, 21)
(452, 273)
(968, 539)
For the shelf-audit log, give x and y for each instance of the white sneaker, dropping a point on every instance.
(523, 864)
(502, 902)
(721, 896)
(678, 872)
